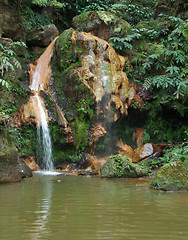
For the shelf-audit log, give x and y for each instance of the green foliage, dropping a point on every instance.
(80, 131)
(84, 109)
(177, 153)
(79, 6)
(132, 13)
(121, 166)
(51, 3)
(32, 20)
(124, 43)
(24, 139)
(8, 61)
(120, 162)
(172, 154)
(161, 64)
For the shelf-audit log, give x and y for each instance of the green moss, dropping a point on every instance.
(65, 50)
(24, 139)
(119, 166)
(88, 21)
(80, 131)
(11, 99)
(171, 177)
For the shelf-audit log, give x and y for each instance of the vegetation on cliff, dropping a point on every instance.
(151, 36)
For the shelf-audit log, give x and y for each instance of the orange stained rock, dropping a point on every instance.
(96, 133)
(40, 70)
(30, 162)
(138, 154)
(142, 152)
(125, 150)
(105, 67)
(31, 112)
(40, 74)
(138, 136)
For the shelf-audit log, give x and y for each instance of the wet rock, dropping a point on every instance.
(101, 69)
(42, 37)
(30, 162)
(86, 161)
(119, 166)
(24, 170)
(91, 72)
(140, 153)
(90, 172)
(171, 177)
(12, 169)
(102, 24)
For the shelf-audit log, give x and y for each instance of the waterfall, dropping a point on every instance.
(46, 139)
(40, 73)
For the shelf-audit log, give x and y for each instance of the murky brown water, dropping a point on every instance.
(80, 208)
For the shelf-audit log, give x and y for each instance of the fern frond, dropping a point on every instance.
(147, 83)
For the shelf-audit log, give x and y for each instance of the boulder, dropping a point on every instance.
(12, 169)
(42, 37)
(91, 72)
(10, 22)
(119, 166)
(171, 177)
(30, 162)
(102, 24)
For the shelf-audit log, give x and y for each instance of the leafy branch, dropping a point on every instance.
(8, 61)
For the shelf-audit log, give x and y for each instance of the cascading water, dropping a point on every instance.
(46, 139)
(39, 76)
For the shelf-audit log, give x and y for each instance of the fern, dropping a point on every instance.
(32, 20)
(4, 83)
(172, 69)
(120, 43)
(8, 61)
(147, 84)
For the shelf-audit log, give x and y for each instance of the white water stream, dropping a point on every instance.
(40, 74)
(42, 124)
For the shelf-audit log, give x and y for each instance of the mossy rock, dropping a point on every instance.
(12, 169)
(65, 50)
(119, 166)
(102, 24)
(172, 177)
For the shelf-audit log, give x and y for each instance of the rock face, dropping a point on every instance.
(91, 80)
(98, 67)
(119, 166)
(172, 177)
(102, 24)
(42, 37)
(12, 169)
(10, 22)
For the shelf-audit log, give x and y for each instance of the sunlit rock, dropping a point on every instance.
(138, 154)
(30, 162)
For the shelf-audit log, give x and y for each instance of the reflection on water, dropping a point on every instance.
(81, 208)
(42, 212)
